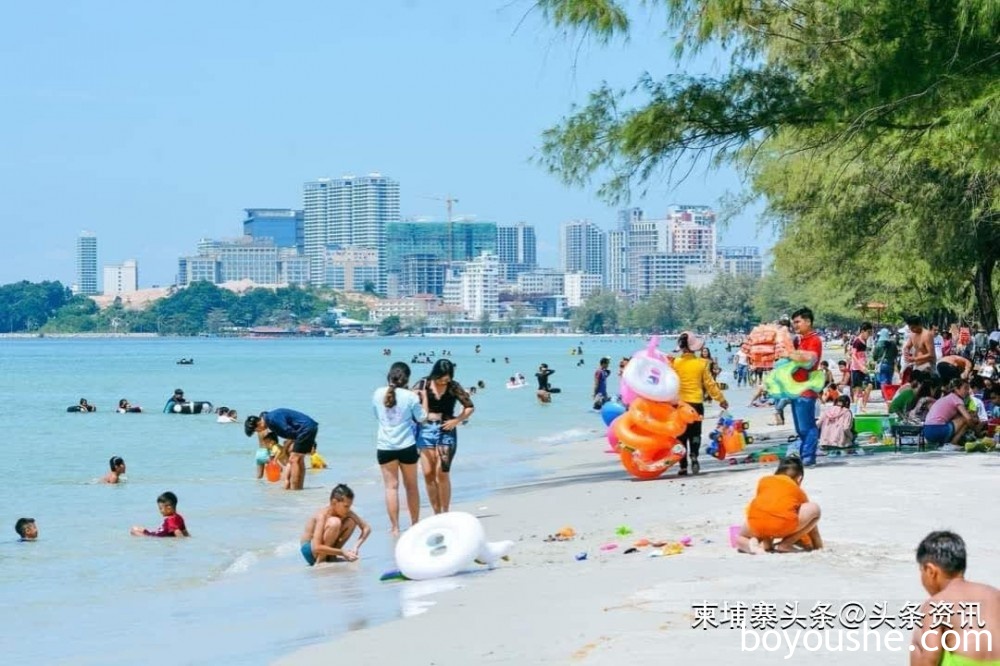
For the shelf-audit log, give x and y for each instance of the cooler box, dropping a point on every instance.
(870, 423)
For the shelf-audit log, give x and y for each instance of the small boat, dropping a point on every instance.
(185, 361)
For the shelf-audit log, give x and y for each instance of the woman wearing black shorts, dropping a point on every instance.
(398, 410)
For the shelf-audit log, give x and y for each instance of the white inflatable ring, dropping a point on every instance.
(651, 378)
(439, 546)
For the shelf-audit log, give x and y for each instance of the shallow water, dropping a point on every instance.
(238, 591)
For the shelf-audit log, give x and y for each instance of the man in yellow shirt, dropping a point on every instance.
(695, 374)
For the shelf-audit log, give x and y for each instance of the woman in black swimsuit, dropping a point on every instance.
(438, 441)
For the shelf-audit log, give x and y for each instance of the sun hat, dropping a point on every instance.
(694, 343)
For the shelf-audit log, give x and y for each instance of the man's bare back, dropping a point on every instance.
(922, 348)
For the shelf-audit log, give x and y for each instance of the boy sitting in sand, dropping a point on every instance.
(781, 510)
(328, 530)
(942, 559)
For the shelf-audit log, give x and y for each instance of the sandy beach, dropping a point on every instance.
(546, 606)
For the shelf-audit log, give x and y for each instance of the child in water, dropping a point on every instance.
(117, 465)
(173, 522)
(781, 510)
(26, 529)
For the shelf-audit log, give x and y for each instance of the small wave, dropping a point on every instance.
(571, 435)
(242, 564)
(284, 549)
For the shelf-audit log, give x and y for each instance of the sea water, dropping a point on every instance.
(238, 591)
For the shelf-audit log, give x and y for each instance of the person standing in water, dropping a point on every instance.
(438, 440)
(290, 425)
(398, 411)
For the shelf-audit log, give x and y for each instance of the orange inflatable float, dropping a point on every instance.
(647, 436)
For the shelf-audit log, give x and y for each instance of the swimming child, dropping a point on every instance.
(328, 530)
(781, 510)
(117, 465)
(173, 523)
(942, 560)
(26, 529)
(316, 461)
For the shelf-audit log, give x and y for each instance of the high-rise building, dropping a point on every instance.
(413, 247)
(348, 212)
(481, 287)
(618, 267)
(517, 250)
(740, 260)
(86, 264)
(282, 225)
(122, 278)
(627, 216)
(692, 229)
(583, 248)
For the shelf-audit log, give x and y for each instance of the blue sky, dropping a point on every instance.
(153, 124)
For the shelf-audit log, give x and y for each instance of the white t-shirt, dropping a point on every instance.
(396, 425)
(741, 358)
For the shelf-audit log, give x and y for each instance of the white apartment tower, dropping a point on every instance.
(583, 248)
(481, 286)
(348, 212)
(122, 278)
(618, 267)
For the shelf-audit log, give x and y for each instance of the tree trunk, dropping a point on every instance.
(985, 300)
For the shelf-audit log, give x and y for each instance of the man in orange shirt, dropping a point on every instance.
(781, 510)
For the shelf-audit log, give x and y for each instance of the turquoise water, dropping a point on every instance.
(238, 591)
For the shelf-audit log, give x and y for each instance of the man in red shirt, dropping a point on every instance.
(808, 349)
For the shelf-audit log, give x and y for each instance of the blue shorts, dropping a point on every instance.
(939, 434)
(432, 435)
(263, 455)
(307, 553)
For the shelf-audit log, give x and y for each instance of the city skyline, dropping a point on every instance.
(144, 144)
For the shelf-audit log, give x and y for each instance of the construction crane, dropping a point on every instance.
(448, 200)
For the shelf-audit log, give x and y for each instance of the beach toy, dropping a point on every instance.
(611, 410)
(272, 471)
(641, 543)
(685, 541)
(612, 439)
(445, 544)
(781, 384)
(660, 460)
(627, 395)
(566, 532)
(734, 535)
(728, 437)
(649, 375)
(609, 546)
(581, 556)
(623, 530)
(672, 549)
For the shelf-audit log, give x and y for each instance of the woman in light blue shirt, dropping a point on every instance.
(398, 411)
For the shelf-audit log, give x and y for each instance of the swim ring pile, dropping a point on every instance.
(645, 436)
(445, 544)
